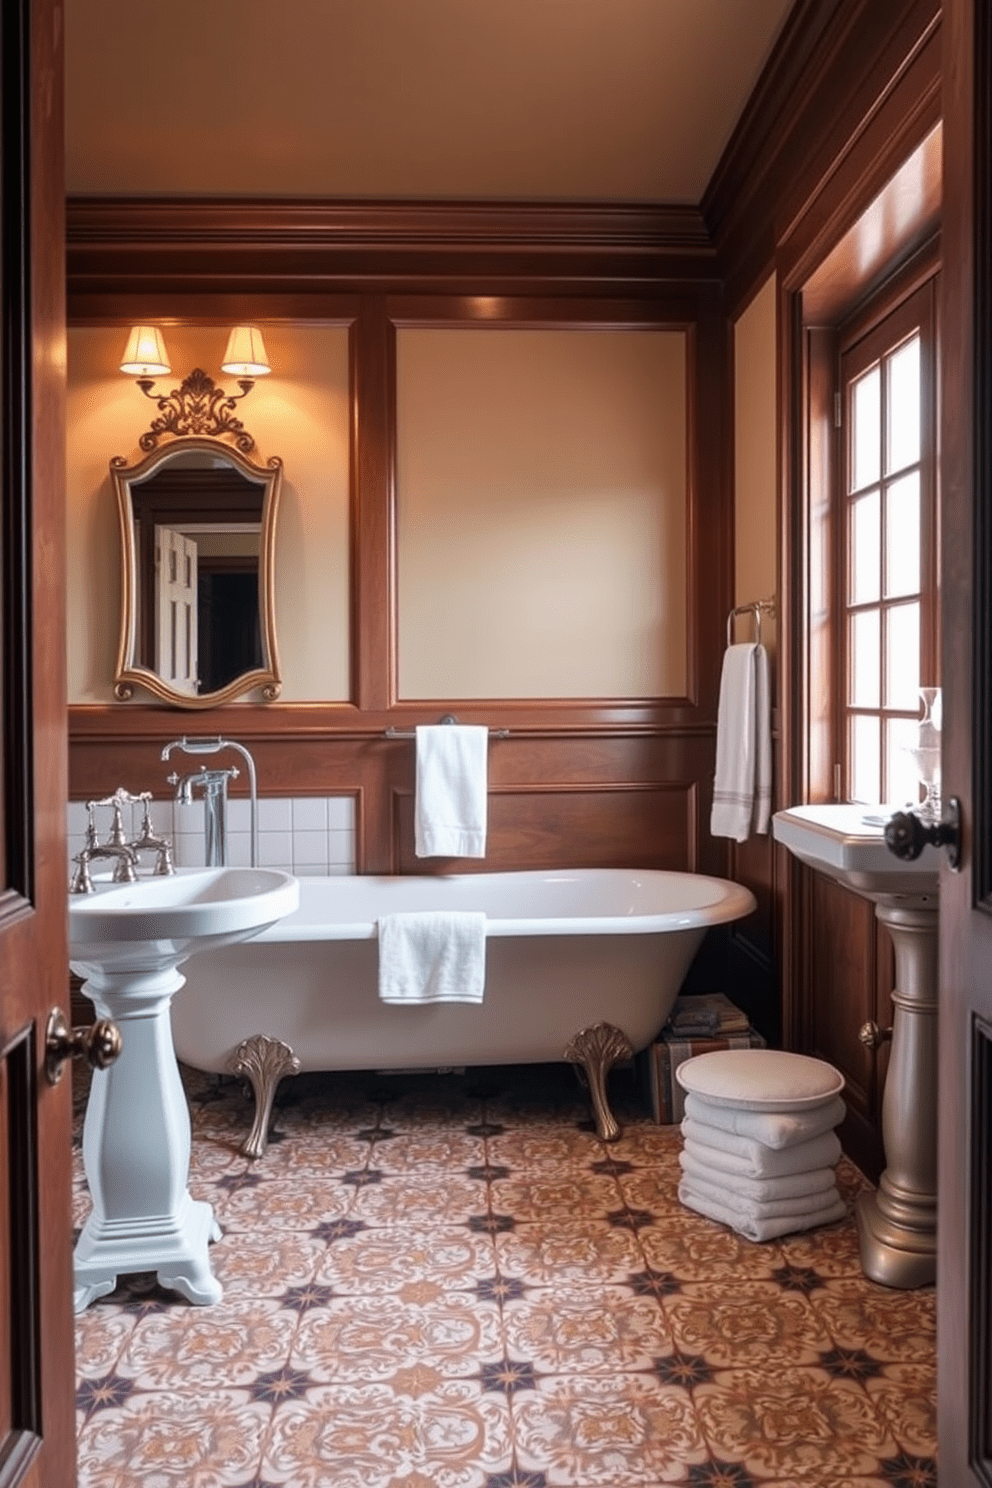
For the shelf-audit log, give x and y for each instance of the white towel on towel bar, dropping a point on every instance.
(742, 790)
(432, 956)
(452, 791)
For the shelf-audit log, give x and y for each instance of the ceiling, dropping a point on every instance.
(525, 100)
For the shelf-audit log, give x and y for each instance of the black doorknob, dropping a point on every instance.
(906, 835)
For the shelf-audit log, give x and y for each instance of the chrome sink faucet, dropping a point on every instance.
(214, 786)
(116, 847)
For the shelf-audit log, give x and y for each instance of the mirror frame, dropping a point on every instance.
(129, 672)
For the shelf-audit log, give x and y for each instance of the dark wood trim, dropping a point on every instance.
(980, 1253)
(848, 89)
(257, 247)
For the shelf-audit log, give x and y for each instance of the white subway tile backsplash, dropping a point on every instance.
(309, 813)
(341, 813)
(188, 850)
(275, 850)
(239, 814)
(310, 851)
(239, 849)
(341, 848)
(301, 834)
(275, 814)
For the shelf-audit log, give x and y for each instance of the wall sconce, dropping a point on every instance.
(198, 406)
(145, 358)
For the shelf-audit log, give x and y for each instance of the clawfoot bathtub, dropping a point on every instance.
(582, 964)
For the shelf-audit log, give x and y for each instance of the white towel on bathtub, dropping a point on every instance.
(452, 791)
(432, 956)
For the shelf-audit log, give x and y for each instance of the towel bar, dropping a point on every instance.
(757, 608)
(395, 733)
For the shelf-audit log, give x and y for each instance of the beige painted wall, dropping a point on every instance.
(755, 458)
(541, 490)
(300, 412)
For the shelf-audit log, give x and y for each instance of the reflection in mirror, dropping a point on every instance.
(198, 542)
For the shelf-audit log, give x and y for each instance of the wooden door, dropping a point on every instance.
(37, 1437)
(964, 1267)
(176, 640)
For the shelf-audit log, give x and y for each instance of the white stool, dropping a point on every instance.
(759, 1146)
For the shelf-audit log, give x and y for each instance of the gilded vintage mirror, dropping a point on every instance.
(197, 523)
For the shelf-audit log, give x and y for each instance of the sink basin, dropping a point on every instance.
(160, 922)
(847, 844)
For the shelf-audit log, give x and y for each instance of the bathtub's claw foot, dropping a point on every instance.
(263, 1061)
(597, 1050)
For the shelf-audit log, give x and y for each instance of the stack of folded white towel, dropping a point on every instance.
(765, 1172)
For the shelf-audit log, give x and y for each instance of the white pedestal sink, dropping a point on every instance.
(897, 1225)
(128, 941)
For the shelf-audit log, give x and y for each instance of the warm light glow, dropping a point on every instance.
(144, 354)
(245, 354)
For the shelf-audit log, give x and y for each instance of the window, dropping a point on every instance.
(886, 605)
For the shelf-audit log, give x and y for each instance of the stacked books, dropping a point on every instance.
(698, 1025)
(706, 1015)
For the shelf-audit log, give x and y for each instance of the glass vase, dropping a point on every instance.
(926, 754)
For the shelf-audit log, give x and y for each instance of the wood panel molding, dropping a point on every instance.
(847, 91)
(265, 246)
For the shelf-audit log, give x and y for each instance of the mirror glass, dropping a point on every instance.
(198, 544)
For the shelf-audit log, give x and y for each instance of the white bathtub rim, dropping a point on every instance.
(730, 901)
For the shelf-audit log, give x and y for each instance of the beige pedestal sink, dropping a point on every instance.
(128, 942)
(897, 1225)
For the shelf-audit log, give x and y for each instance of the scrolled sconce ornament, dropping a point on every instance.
(198, 406)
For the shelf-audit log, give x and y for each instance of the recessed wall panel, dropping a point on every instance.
(300, 413)
(541, 513)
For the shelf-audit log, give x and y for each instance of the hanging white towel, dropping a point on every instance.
(452, 791)
(433, 956)
(742, 789)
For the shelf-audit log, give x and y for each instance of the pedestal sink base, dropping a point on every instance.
(176, 1252)
(891, 1254)
(136, 1146)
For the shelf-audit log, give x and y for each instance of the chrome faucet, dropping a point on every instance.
(214, 785)
(126, 870)
(147, 841)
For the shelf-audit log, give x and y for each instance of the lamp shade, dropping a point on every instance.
(144, 354)
(245, 354)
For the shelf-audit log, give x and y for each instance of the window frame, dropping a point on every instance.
(876, 330)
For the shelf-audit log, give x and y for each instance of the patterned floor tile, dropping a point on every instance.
(195, 1348)
(451, 1282)
(102, 1334)
(428, 1151)
(265, 1265)
(572, 1330)
(798, 1422)
(736, 1327)
(695, 1249)
(286, 1208)
(624, 1432)
(375, 1261)
(540, 1255)
(565, 1198)
(206, 1439)
(385, 1199)
(372, 1436)
(905, 1396)
(378, 1338)
(562, 1149)
(891, 1325)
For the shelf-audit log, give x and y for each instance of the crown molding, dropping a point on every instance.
(307, 245)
